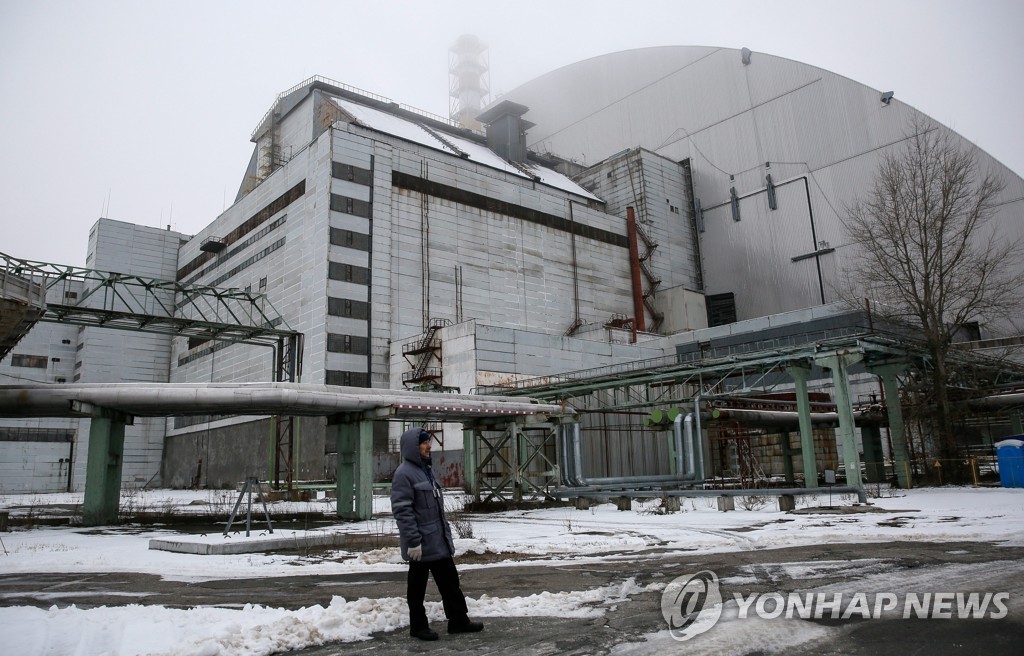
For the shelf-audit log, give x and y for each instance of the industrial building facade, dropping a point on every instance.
(411, 252)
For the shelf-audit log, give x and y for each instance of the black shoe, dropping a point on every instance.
(424, 634)
(465, 627)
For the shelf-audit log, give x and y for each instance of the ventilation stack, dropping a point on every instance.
(469, 81)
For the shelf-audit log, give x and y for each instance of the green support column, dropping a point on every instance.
(897, 434)
(470, 463)
(838, 364)
(874, 462)
(799, 374)
(355, 466)
(103, 468)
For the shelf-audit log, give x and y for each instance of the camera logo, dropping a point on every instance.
(691, 604)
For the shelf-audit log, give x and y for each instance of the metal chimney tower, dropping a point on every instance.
(469, 80)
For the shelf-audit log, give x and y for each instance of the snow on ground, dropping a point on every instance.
(733, 634)
(255, 630)
(530, 537)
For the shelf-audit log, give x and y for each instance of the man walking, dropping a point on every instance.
(426, 539)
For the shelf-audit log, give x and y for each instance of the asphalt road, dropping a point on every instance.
(933, 566)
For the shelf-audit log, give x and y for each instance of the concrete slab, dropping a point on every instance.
(219, 545)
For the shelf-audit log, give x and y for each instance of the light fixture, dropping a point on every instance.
(887, 97)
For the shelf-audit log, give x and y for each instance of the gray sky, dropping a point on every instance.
(142, 111)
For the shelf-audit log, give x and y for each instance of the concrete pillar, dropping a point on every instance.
(623, 503)
(670, 504)
(838, 363)
(582, 503)
(103, 467)
(897, 434)
(726, 503)
(787, 457)
(874, 460)
(799, 374)
(787, 502)
(354, 438)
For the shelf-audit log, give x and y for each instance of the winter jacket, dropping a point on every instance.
(417, 504)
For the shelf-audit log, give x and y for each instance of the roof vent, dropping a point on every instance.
(506, 130)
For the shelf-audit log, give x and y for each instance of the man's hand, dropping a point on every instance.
(415, 553)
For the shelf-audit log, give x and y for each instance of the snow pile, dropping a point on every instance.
(256, 630)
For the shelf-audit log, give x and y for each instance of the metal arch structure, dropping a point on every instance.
(761, 366)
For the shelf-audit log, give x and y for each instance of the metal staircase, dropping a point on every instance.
(424, 352)
(653, 281)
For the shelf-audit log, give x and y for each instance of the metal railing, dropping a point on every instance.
(351, 89)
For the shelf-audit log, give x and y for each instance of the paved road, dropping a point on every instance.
(929, 567)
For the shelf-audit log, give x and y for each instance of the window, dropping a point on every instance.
(349, 205)
(350, 239)
(65, 341)
(721, 309)
(31, 361)
(347, 378)
(263, 283)
(348, 273)
(345, 307)
(347, 344)
(350, 173)
(71, 296)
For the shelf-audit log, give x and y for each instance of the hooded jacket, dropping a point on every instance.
(417, 503)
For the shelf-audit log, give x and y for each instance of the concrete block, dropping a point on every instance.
(623, 503)
(582, 503)
(670, 504)
(726, 503)
(787, 502)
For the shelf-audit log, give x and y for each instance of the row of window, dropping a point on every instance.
(351, 173)
(31, 361)
(27, 434)
(347, 378)
(488, 204)
(346, 307)
(224, 257)
(250, 224)
(252, 259)
(353, 206)
(350, 239)
(348, 273)
(347, 344)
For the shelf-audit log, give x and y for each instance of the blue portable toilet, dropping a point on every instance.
(1010, 454)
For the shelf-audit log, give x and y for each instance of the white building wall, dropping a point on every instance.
(511, 271)
(36, 454)
(119, 356)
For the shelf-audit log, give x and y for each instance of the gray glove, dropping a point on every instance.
(415, 553)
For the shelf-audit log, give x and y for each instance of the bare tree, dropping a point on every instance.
(930, 253)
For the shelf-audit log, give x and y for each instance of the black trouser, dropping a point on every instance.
(446, 577)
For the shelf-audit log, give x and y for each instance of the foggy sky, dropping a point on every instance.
(142, 111)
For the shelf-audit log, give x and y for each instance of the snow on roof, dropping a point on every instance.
(474, 152)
